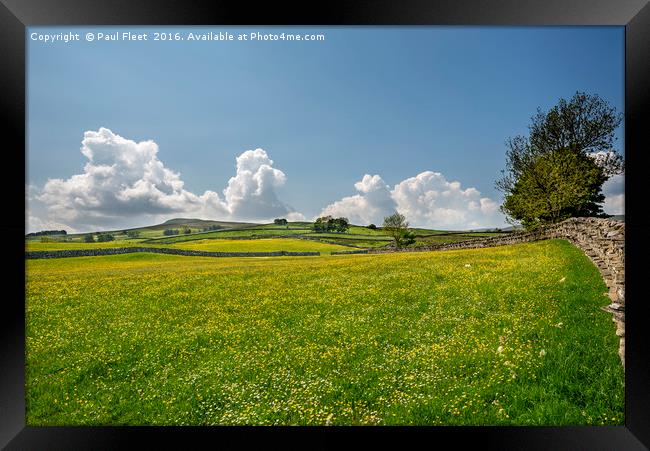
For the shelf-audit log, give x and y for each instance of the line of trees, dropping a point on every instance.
(211, 228)
(99, 237)
(183, 230)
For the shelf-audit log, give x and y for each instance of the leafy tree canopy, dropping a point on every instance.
(330, 224)
(396, 226)
(558, 170)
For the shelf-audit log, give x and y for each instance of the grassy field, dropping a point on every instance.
(362, 244)
(223, 241)
(154, 234)
(260, 245)
(238, 233)
(356, 236)
(223, 245)
(512, 335)
(59, 246)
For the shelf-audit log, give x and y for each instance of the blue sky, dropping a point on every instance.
(388, 101)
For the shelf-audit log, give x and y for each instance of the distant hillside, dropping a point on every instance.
(181, 221)
(195, 226)
(498, 229)
(193, 222)
(46, 233)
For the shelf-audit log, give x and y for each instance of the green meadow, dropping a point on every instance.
(275, 238)
(513, 335)
(259, 245)
(213, 245)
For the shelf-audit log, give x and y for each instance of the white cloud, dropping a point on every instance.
(614, 187)
(250, 193)
(615, 204)
(124, 183)
(614, 191)
(370, 206)
(427, 200)
(295, 216)
(430, 200)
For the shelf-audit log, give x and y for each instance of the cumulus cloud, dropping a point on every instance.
(614, 191)
(251, 192)
(427, 200)
(614, 187)
(369, 206)
(124, 180)
(35, 215)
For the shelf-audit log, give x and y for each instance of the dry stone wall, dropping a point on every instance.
(602, 240)
(358, 251)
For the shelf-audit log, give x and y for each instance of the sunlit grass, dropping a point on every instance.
(260, 245)
(212, 245)
(512, 335)
(62, 245)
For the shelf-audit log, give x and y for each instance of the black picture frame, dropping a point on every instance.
(16, 15)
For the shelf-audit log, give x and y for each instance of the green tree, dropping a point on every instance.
(341, 224)
(558, 170)
(557, 186)
(323, 224)
(210, 228)
(331, 224)
(133, 233)
(396, 226)
(104, 237)
(88, 238)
